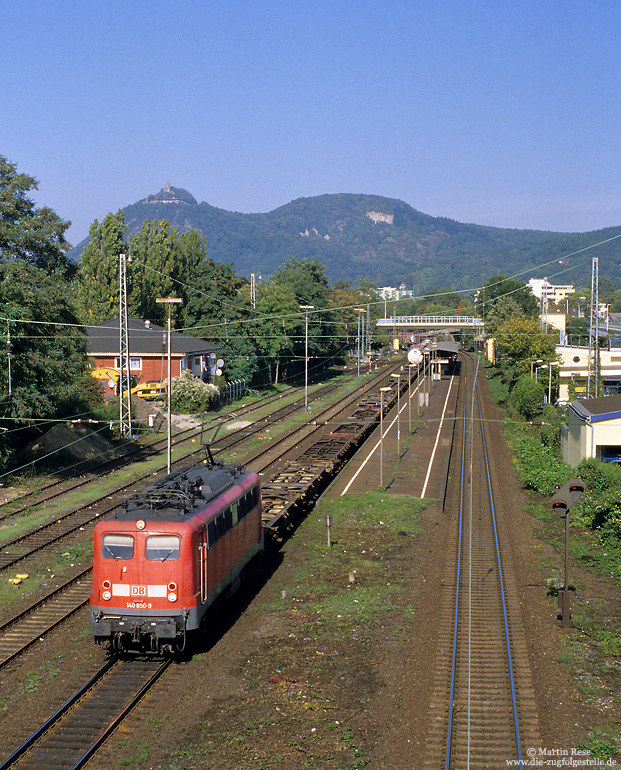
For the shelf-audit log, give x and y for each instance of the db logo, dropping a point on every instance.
(139, 590)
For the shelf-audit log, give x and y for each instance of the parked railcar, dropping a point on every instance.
(164, 558)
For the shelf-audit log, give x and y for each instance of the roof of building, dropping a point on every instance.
(448, 347)
(145, 338)
(597, 409)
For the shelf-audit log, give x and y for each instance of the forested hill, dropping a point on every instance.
(379, 238)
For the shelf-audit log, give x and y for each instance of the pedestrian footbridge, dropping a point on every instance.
(430, 322)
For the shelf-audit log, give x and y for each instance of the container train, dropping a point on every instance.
(163, 559)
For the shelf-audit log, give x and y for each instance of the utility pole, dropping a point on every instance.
(125, 402)
(398, 378)
(306, 308)
(8, 355)
(253, 289)
(359, 310)
(593, 380)
(169, 301)
(369, 334)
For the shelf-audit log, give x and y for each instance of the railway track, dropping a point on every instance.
(29, 625)
(77, 478)
(483, 711)
(18, 548)
(83, 722)
(73, 734)
(303, 477)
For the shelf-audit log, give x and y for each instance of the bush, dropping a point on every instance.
(599, 476)
(550, 430)
(188, 394)
(527, 397)
(600, 508)
(539, 466)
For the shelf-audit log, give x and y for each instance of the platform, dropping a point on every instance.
(414, 463)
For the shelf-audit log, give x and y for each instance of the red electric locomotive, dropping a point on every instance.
(164, 558)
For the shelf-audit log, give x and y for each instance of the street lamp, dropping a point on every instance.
(382, 391)
(410, 367)
(359, 310)
(398, 378)
(532, 363)
(169, 301)
(307, 308)
(549, 368)
(418, 390)
(545, 366)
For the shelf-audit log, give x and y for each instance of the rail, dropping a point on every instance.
(482, 710)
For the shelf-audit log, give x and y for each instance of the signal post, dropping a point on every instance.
(562, 501)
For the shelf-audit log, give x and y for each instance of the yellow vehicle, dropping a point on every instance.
(106, 373)
(108, 378)
(150, 390)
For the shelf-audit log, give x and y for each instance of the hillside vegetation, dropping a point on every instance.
(382, 239)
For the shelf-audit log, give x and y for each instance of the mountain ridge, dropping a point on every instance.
(383, 239)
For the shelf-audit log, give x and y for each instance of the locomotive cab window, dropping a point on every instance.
(117, 546)
(162, 547)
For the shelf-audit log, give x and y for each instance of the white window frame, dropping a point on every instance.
(135, 363)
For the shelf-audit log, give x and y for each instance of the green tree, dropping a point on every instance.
(48, 354)
(501, 311)
(36, 236)
(97, 291)
(218, 309)
(279, 326)
(501, 286)
(345, 301)
(306, 278)
(521, 341)
(153, 268)
(214, 300)
(527, 397)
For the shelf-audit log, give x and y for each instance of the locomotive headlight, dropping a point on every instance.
(140, 524)
(106, 595)
(172, 597)
(106, 584)
(172, 586)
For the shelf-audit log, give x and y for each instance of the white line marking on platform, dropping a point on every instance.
(435, 446)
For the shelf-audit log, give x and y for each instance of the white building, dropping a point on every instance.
(574, 367)
(541, 287)
(393, 293)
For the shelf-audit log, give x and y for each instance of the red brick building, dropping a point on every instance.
(148, 352)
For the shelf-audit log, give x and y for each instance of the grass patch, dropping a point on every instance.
(602, 743)
(46, 672)
(314, 663)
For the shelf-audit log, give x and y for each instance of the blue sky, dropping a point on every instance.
(504, 114)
